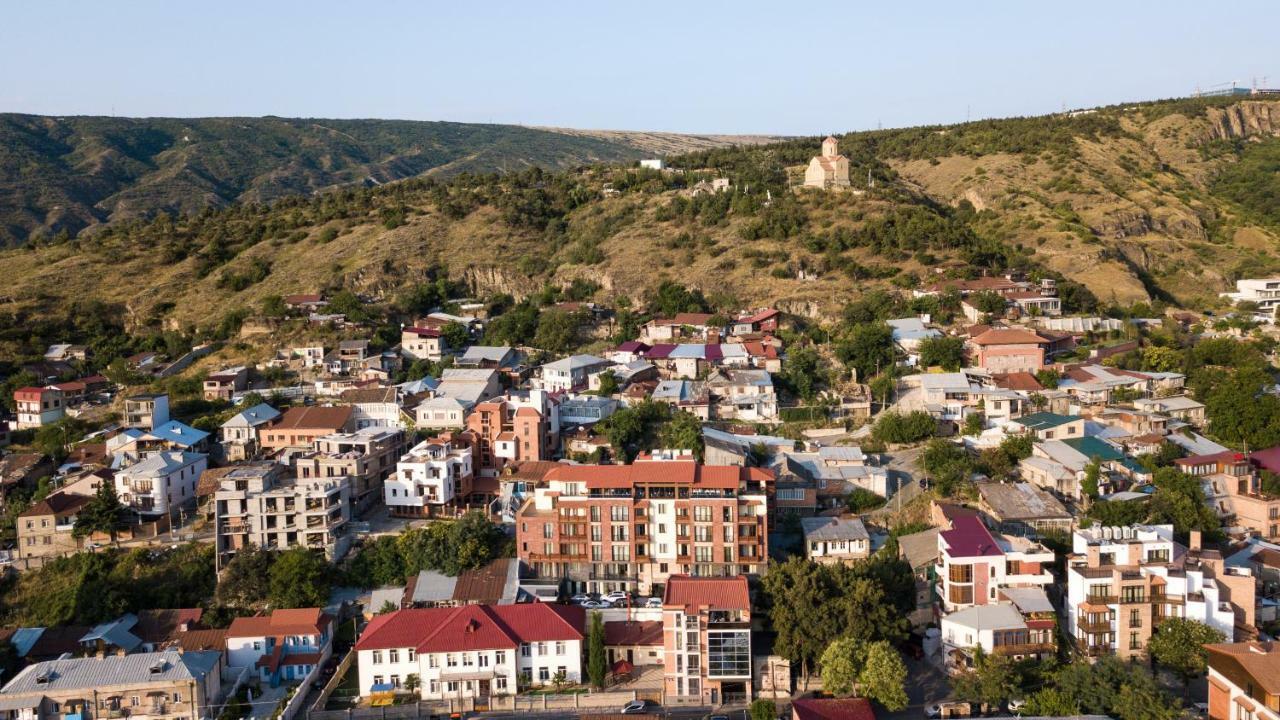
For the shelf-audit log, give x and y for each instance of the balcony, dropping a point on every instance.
(1098, 650)
(1024, 648)
(1094, 626)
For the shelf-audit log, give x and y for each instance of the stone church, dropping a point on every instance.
(828, 170)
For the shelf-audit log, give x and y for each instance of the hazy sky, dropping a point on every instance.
(735, 67)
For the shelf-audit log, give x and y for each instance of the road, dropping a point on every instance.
(925, 684)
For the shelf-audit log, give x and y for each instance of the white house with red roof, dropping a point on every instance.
(472, 651)
(287, 645)
(974, 565)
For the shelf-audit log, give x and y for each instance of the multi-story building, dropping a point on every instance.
(286, 645)
(225, 383)
(367, 457)
(1232, 484)
(38, 406)
(431, 476)
(238, 436)
(471, 651)
(706, 630)
(1263, 293)
(570, 374)
(300, 426)
(146, 686)
(161, 483)
(422, 343)
(1123, 581)
(44, 530)
(374, 407)
(1020, 626)
(147, 411)
(513, 429)
(256, 505)
(1244, 681)
(628, 527)
(974, 565)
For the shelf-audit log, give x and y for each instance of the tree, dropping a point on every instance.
(884, 676)
(1156, 358)
(456, 335)
(992, 680)
(860, 500)
(988, 302)
(683, 432)
(245, 580)
(273, 306)
(1092, 474)
(948, 464)
(803, 372)
(412, 682)
(896, 427)
(100, 514)
(299, 578)
(557, 330)
(388, 607)
(1048, 378)
(1178, 644)
(595, 652)
(945, 351)
(840, 663)
(867, 349)
(608, 383)
(799, 611)
(974, 424)
(763, 710)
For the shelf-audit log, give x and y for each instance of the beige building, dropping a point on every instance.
(365, 456)
(828, 170)
(835, 539)
(141, 686)
(256, 505)
(44, 530)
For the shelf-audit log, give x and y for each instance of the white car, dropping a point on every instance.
(635, 706)
(653, 602)
(579, 598)
(594, 605)
(616, 597)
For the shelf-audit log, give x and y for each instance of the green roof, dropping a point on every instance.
(1045, 420)
(1092, 447)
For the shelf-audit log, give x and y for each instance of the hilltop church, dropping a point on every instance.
(828, 170)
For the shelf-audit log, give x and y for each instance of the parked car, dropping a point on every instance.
(635, 706)
(653, 602)
(1016, 705)
(615, 597)
(579, 598)
(594, 605)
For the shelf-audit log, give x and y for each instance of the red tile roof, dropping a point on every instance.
(693, 593)
(968, 537)
(1023, 381)
(472, 627)
(683, 472)
(1009, 336)
(311, 418)
(424, 331)
(633, 632)
(301, 621)
(691, 318)
(832, 709)
(30, 393)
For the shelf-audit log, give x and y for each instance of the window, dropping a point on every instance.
(393, 656)
(1135, 618)
(544, 674)
(433, 687)
(500, 683)
(412, 655)
(482, 660)
(524, 650)
(451, 660)
(451, 686)
(542, 649)
(377, 679)
(377, 656)
(1134, 643)
(500, 657)
(702, 513)
(559, 647)
(433, 661)
(467, 660)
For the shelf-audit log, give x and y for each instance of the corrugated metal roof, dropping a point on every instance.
(76, 673)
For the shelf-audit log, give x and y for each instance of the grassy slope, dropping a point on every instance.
(1129, 215)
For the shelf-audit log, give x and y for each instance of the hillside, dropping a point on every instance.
(1161, 201)
(69, 173)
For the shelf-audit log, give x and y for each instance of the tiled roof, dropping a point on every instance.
(300, 621)
(314, 417)
(1009, 336)
(1259, 660)
(1024, 381)
(692, 593)
(684, 472)
(633, 632)
(472, 627)
(833, 709)
(57, 503)
(968, 537)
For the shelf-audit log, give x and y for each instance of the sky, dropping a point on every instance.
(779, 67)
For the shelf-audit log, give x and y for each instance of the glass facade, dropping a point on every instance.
(728, 653)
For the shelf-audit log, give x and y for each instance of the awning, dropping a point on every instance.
(20, 702)
(622, 667)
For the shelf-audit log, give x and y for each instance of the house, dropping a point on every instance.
(304, 301)
(1020, 626)
(471, 651)
(422, 343)
(497, 583)
(300, 426)
(829, 169)
(1263, 293)
(497, 357)
(744, 395)
(855, 708)
(1122, 581)
(920, 551)
(682, 325)
(38, 406)
(638, 642)
(1022, 509)
(688, 395)
(161, 483)
(256, 505)
(238, 436)
(1232, 485)
(145, 685)
(1178, 407)
(44, 530)
(835, 471)
(432, 475)
(725, 448)
(570, 374)
(66, 352)
(706, 627)
(1093, 384)
(1069, 460)
(1051, 426)
(835, 539)
(225, 383)
(1005, 350)
(374, 407)
(175, 435)
(1244, 680)
(287, 645)
(763, 321)
(908, 333)
(585, 410)
(974, 565)
(146, 411)
(695, 518)
(624, 374)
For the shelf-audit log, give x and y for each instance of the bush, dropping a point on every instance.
(895, 427)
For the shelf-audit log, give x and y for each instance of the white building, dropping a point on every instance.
(1265, 293)
(256, 505)
(422, 343)
(239, 434)
(285, 646)
(161, 482)
(472, 651)
(974, 565)
(38, 406)
(835, 539)
(570, 374)
(431, 475)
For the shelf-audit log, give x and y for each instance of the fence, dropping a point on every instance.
(505, 703)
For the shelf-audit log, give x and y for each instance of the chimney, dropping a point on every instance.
(1093, 556)
(1193, 543)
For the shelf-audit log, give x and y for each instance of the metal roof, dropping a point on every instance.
(111, 670)
(832, 528)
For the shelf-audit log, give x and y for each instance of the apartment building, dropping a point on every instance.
(1232, 484)
(570, 374)
(169, 684)
(1123, 581)
(434, 474)
(238, 436)
(256, 504)
(1244, 681)
(513, 429)
(147, 411)
(38, 406)
(300, 426)
(975, 565)
(374, 407)
(44, 530)
(706, 631)
(1020, 625)
(225, 383)
(1264, 293)
(630, 527)
(367, 457)
(161, 483)
(422, 343)
(471, 651)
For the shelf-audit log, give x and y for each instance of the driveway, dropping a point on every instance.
(925, 684)
(264, 702)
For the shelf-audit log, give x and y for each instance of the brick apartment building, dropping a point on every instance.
(508, 430)
(630, 527)
(1233, 486)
